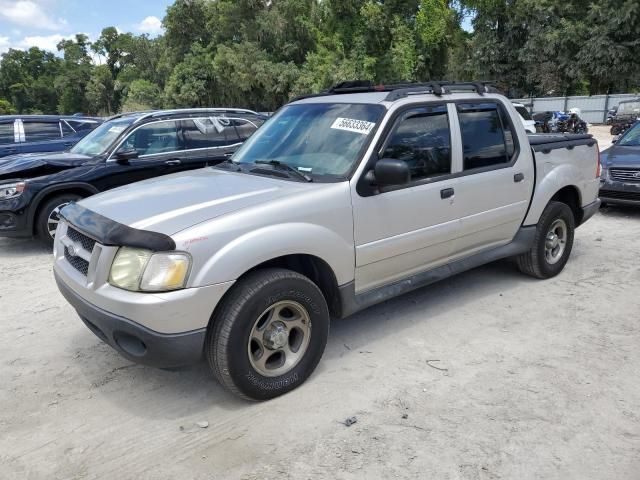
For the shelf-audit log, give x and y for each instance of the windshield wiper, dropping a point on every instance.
(284, 166)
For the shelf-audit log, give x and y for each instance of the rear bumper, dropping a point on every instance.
(134, 341)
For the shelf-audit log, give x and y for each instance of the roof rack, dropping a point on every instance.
(144, 114)
(401, 90)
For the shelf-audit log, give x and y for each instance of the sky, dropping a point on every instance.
(43, 23)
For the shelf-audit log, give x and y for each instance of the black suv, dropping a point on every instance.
(125, 149)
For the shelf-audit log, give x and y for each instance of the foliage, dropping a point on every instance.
(261, 53)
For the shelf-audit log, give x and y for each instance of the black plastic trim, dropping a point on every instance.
(111, 233)
(352, 302)
(546, 142)
(155, 349)
(589, 211)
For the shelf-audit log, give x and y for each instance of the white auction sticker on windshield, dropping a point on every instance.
(351, 125)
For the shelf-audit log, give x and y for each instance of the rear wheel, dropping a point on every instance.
(49, 216)
(552, 244)
(268, 334)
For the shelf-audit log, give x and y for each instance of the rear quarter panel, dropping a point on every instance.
(560, 168)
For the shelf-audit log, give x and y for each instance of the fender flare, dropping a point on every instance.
(258, 246)
(61, 187)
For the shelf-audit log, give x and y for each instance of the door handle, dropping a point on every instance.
(173, 162)
(227, 155)
(518, 177)
(446, 193)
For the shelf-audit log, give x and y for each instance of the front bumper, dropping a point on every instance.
(619, 193)
(134, 341)
(14, 218)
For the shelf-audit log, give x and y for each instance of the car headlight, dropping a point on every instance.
(140, 270)
(11, 190)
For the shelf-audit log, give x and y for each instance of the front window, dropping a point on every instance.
(100, 140)
(153, 139)
(314, 138)
(631, 138)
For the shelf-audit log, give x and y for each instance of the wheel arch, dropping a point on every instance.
(78, 188)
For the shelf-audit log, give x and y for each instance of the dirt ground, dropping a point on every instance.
(487, 375)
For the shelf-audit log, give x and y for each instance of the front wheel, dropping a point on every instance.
(268, 334)
(552, 244)
(49, 216)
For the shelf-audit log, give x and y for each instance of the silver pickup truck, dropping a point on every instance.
(340, 201)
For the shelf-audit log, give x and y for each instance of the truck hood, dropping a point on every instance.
(32, 165)
(621, 156)
(174, 202)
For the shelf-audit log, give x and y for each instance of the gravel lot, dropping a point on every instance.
(486, 375)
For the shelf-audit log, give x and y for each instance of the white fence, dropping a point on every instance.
(594, 109)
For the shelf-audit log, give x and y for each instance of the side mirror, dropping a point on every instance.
(615, 139)
(389, 171)
(124, 155)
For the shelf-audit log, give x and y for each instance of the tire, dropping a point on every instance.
(237, 345)
(542, 261)
(47, 215)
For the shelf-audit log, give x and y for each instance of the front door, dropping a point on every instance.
(159, 146)
(405, 230)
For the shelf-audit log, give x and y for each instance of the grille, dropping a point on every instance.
(635, 196)
(625, 174)
(86, 242)
(80, 264)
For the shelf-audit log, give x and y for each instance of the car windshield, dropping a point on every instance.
(629, 108)
(98, 141)
(631, 138)
(314, 138)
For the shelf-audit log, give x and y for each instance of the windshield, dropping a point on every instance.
(631, 138)
(629, 108)
(98, 141)
(314, 138)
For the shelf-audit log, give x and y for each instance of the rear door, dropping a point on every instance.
(9, 138)
(497, 177)
(43, 136)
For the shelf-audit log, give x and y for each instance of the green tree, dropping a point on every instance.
(74, 75)
(142, 95)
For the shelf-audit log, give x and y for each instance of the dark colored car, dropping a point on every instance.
(42, 133)
(620, 179)
(126, 149)
(626, 115)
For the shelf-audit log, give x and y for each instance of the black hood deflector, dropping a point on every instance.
(111, 233)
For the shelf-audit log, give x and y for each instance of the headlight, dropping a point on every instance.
(141, 270)
(11, 190)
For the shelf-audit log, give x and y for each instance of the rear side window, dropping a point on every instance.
(82, 126)
(487, 137)
(209, 132)
(6, 133)
(244, 128)
(66, 129)
(524, 113)
(422, 139)
(41, 131)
